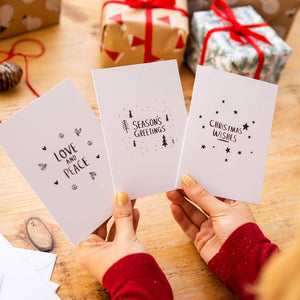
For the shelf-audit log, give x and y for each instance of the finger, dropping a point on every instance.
(92, 238)
(136, 218)
(102, 230)
(200, 196)
(112, 233)
(192, 212)
(184, 222)
(123, 215)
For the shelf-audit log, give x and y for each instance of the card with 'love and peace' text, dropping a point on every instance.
(57, 144)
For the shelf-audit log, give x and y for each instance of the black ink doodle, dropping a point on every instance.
(78, 131)
(93, 175)
(43, 166)
(125, 126)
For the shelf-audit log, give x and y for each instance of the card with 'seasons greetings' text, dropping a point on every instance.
(227, 134)
(57, 144)
(143, 113)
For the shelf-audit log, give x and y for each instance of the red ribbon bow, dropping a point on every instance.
(148, 5)
(237, 31)
(151, 3)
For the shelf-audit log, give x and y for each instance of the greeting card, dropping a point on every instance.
(227, 134)
(57, 144)
(143, 114)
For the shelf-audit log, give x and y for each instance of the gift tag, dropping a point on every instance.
(143, 114)
(57, 144)
(227, 134)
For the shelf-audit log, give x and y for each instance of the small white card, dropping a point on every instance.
(57, 144)
(143, 113)
(227, 134)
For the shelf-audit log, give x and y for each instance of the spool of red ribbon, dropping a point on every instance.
(237, 32)
(148, 5)
(11, 53)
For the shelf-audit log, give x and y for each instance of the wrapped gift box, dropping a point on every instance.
(18, 16)
(279, 14)
(132, 35)
(224, 53)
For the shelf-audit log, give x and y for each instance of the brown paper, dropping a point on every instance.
(279, 14)
(122, 34)
(18, 16)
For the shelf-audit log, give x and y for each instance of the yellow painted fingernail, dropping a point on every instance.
(188, 181)
(122, 198)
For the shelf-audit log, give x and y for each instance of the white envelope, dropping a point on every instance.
(42, 262)
(20, 280)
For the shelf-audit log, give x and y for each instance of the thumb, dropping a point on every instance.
(123, 215)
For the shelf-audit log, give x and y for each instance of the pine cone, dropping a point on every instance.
(10, 75)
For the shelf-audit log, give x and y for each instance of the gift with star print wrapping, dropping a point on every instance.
(238, 41)
(280, 14)
(139, 31)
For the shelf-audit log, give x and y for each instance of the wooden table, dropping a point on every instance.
(72, 51)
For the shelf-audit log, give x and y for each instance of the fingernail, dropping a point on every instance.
(188, 181)
(122, 198)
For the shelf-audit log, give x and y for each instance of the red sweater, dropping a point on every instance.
(237, 266)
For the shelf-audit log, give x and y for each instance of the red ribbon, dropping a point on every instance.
(148, 5)
(238, 32)
(11, 54)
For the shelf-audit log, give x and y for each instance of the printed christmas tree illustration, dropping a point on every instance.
(167, 118)
(164, 142)
(130, 114)
(125, 126)
(134, 144)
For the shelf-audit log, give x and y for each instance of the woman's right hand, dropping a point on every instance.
(208, 230)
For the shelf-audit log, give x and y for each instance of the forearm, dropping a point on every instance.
(137, 276)
(241, 258)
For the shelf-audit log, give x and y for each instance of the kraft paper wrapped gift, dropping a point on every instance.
(135, 32)
(279, 14)
(225, 53)
(19, 16)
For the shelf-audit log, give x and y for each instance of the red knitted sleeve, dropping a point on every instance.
(137, 276)
(240, 259)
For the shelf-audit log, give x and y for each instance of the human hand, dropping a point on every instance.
(208, 230)
(101, 250)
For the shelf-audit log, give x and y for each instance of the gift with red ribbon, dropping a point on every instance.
(238, 41)
(141, 31)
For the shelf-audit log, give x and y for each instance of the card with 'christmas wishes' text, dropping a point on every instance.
(143, 114)
(227, 134)
(57, 144)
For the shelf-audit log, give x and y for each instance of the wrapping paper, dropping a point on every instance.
(123, 33)
(223, 53)
(279, 14)
(18, 16)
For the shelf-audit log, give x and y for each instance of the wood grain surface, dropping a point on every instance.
(72, 50)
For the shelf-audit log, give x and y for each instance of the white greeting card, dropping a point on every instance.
(143, 114)
(227, 134)
(57, 144)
